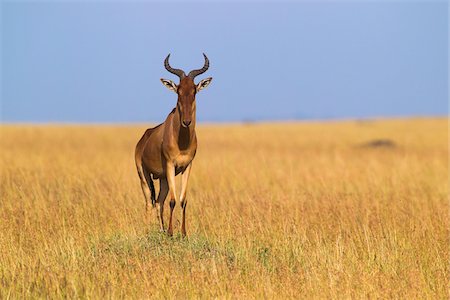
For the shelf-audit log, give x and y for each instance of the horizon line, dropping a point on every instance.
(242, 122)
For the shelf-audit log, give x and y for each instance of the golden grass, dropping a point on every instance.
(294, 210)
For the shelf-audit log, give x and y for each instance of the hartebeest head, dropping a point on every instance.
(186, 89)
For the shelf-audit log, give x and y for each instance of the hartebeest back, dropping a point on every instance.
(169, 148)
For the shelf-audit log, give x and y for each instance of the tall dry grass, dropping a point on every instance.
(275, 211)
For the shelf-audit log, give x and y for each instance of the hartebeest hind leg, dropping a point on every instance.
(184, 182)
(163, 190)
(147, 188)
(151, 186)
(170, 173)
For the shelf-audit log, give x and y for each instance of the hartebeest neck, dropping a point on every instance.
(183, 135)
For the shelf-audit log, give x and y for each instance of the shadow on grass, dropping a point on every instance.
(155, 244)
(197, 245)
(125, 248)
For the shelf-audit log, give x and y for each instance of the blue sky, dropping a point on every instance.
(101, 61)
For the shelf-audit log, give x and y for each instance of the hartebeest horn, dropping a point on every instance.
(178, 72)
(194, 73)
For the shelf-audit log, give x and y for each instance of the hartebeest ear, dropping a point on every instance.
(169, 84)
(203, 84)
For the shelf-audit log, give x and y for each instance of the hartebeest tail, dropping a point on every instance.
(169, 148)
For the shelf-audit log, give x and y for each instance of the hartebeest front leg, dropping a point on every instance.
(170, 173)
(184, 182)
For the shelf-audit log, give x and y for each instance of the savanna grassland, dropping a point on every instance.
(282, 210)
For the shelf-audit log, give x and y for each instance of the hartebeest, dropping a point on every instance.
(169, 148)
